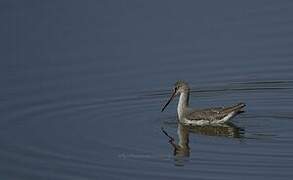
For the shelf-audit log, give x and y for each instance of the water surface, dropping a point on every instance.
(82, 85)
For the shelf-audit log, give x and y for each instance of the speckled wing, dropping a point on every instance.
(212, 114)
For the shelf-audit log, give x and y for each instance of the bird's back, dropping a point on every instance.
(213, 114)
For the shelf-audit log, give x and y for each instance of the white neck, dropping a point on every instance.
(183, 103)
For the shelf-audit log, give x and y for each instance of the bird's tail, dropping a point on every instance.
(237, 108)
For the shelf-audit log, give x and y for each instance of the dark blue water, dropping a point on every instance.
(83, 83)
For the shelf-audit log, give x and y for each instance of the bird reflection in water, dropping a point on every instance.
(181, 149)
(224, 130)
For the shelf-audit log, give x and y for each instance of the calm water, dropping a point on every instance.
(83, 82)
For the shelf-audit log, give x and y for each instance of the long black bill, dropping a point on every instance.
(172, 96)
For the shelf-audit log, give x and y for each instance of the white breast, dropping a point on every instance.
(206, 122)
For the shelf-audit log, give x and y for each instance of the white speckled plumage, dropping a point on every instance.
(207, 116)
